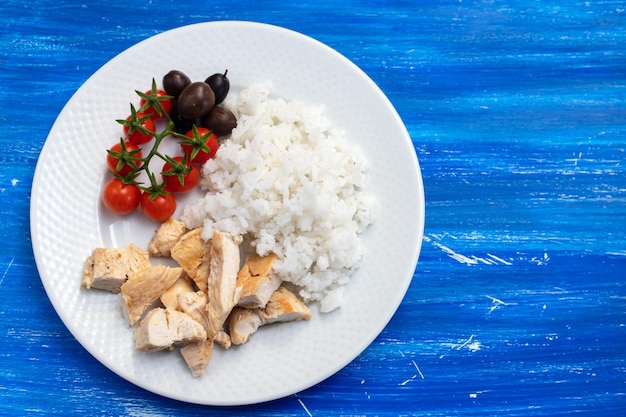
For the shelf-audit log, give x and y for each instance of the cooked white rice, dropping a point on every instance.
(293, 186)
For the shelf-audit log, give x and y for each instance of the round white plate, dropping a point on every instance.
(68, 221)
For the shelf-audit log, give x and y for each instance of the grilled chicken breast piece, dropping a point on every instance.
(193, 255)
(164, 328)
(223, 339)
(107, 269)
(194, 304)
(285, 306)
(222, 291)
(197, 356)
(170, 297)
(243, 323)
(145, 287)
(257, 281)
(165, 237)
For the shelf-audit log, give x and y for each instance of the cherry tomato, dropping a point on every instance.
(124, 160)
(153, 110)
(136, 134)
(201, 145)
(120, 198)
(181, 176)
(158, 207)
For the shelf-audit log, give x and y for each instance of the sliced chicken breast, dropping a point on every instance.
(165, 237)
(285, 306)
(194, 304)
(197, 356)
(107, 269)
(243, 323)
(144, 287)
(222, 291)
(193, 254)
(170, 297)
(163, 328)
(257, 281)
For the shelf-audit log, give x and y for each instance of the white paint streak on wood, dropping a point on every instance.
(306, 410)
(4, 274)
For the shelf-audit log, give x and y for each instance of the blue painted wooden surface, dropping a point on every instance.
(517, 110)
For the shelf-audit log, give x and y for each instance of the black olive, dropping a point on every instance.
(220, 120)
(196, 100)
(181, 125)
(220, 85)
(174, 82)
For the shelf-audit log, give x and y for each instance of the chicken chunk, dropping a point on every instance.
(107, 269)
(223, 339)
(170, 297)
(285, 306)
(222, 291)
(144, 287)
(193, 255)
(197, 356)
(165, 237)
(243, 323)
(257, 281)
(163, 328)
(194, 304)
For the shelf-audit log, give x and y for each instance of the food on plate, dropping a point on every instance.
(180, 175)
(144, 287)
(197, 356)
(174, 82)
(220, 84)
(124, 157)
(220, 120)
(169, 298)
(139, 128)
(109, 268)
(157, 202)
(163, 328)
(293, 185)
(257, 281)
(222, 289)
(283, 306)
(170, 112)
(284, 195)
(165, 237)
(120, 197)
(196, 100)
(200, 144)
(155, 102)
(170, 310)
(193, 254)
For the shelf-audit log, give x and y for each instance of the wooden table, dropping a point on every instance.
(517, 111)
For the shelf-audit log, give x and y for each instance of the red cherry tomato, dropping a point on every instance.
(120, 198)
(152, 109)
(180, 177)
(158, 207)
(201, 145)
(141, 130)
(123, 161)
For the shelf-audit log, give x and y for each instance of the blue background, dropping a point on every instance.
(517, 111)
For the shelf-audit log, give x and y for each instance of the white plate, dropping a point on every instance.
(67, 220)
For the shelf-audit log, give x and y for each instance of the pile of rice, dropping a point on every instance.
(291, 185)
